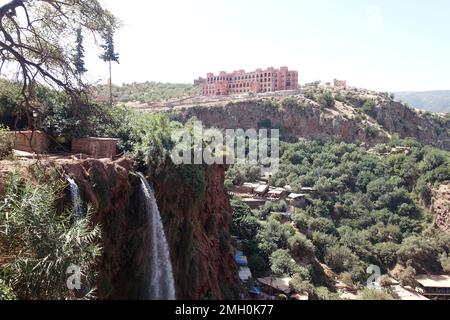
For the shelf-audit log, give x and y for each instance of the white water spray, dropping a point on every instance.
(76, 199)
(161, 284)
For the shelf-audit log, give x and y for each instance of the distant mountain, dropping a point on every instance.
(434, 101)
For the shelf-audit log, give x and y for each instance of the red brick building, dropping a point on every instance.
(238, 82)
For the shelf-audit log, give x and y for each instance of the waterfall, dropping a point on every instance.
(161, 285)
(76, 199)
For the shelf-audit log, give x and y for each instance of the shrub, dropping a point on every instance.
(301, 285)
(6, 143)
(323, 293)
(407, 277)
(258, 265)
(445, 262)
(245, 225)
(6, 293)
(301, 247)
(370, 294)
(340, 258)
(326, 100)
(418, 252)
(282, 264)
(369, 108)
(43, 240)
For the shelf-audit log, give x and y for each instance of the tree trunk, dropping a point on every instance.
(110, 85)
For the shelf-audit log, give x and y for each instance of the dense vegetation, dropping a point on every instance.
(40, 240)
(370, 209)
(148, 92)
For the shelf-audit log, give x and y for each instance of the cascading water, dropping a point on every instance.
(76, 199)
(161, 284)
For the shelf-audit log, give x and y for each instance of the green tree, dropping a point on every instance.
(245, 225)
(300, 247)
(109, 55)
(33, 43)
(282, 264)
(78, 56)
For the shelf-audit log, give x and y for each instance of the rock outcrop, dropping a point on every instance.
(397, 118)
(198, 216)
(440, 206)
(302, 117)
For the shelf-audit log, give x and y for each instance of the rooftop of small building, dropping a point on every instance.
(434, 281)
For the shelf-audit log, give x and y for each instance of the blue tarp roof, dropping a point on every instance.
(255, 290)
(241, 259)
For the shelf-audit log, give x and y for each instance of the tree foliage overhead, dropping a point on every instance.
(37, 42)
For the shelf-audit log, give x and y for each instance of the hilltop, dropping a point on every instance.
(146, 92)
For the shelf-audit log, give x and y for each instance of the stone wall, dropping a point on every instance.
(31, 141)
(95, 147)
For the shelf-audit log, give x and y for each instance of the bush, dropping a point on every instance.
(369, 108)
(407, 277)
(282, 264)
(301, 285)
(369, 294)
(340, 258)
(272, 236)
(258, 265)
(43, 240)
(323, 293)
(6, 293)
(245, 225)
(300, 247)
(419, 253)
(445, 262)
(6, 143)
(326, 100)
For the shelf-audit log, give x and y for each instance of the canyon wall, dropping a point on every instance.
(304, 118)
(196, 215)
(397, 118)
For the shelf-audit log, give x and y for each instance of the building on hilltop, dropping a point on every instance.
(238, 82)
(340, 83)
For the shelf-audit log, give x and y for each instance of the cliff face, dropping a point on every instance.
(304, 118)
(397, 118)
(197, 213)
(440, 206)
(196, 218)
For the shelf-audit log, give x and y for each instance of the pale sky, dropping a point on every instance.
(377, 44)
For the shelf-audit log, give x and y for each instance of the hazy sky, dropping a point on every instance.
(378, 44)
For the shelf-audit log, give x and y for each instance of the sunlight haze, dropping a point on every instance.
(378, 44)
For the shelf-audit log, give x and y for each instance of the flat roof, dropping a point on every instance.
(433, 281)
(281, 284)
(245, 273)
(404, 294)
(296, 195)
(262, 188)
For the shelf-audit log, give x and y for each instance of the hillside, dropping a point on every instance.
(146, 92)
(434, 101)
(352, 115)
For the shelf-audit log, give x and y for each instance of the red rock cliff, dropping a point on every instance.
(196, 215)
